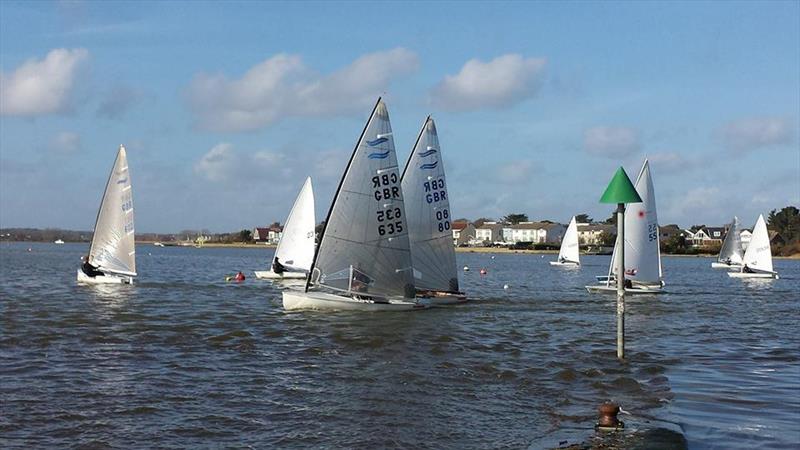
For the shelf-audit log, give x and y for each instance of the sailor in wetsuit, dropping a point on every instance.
(277, 267)
(89, 269)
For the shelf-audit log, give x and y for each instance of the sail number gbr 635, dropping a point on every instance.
(385, 188)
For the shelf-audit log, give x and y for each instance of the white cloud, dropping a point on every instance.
(65, 142)
(757, 132)
(611, 142)
(223, 164)
(671, 162)
(217, 163)
(515, 172)
(283, 86)
(501, 82)
(40, 87)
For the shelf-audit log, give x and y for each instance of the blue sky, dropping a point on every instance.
(226, 107)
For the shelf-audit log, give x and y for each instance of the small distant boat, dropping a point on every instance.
(757, 260)
(295, 250)
(112, 255)
(428, 216)
(363, 261)
(642, 253)
(158, 244)
(730, 255)
(58, 241)
(569, 255)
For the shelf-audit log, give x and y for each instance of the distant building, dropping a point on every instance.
(536, 232)
(744, 237)
(489, 232)
(268, 235)
(589, 233)
(669, 231)
(463, 233)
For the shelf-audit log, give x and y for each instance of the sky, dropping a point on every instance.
(226, 107)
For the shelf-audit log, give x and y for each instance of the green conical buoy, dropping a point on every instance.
(620, 190)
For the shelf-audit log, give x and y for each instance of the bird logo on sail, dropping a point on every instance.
(378, 155)
(377, 141)
(429, 165)
(122, 181)
(428, 153)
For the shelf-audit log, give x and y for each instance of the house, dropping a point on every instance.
(775, 238)
(536, 232)
(489, 232)
(589, 233)
(717, 234)
(463, 232)
(268, 235)
(744, 237)
(669, 231)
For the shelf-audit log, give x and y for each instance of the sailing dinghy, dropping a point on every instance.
(730, 255)
(363, 260)
(642, 253)
(757, 260)
(427, 206)
(296, 248)
(569, 255)
(112, 255)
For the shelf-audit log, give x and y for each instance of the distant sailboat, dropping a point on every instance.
(363, 261)
(757, 260)
(58, 242)
(642, 252)
(569, 255)
(730, 255)
(112, 255)
(427, 209)
(295, 250)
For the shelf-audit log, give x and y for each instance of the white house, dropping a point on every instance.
(489, 232)
(589, 233)
(536, 232)
(745, 236)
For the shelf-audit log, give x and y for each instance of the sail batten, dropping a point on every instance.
(113, 248)
(428, 211)
(366, 235)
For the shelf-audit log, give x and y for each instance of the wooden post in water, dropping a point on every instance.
(620, 191)
(621, 280)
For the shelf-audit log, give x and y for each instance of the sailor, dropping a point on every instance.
(747, 269)
(239, 276)
(89, 269)
(277, 267)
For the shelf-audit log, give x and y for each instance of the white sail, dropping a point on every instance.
(642, 253)
(758, 256)
(428, 214)
(569, 244)
(731, 251)
(296, 247)
(365, 240)
(112, 247)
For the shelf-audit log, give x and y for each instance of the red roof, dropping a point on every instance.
(458, 226)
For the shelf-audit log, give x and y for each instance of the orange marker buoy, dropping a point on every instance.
(483, 272)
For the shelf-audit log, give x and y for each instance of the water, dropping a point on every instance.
(183, 359)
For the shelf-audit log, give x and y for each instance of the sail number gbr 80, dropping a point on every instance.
(385, 188)
(435, 192)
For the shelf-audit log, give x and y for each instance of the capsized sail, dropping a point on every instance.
(569, 244)
(731, 251)
(112, 247)
(642, 252)
(364, 246)
(296, 247)
(428, 214)
(758, 256)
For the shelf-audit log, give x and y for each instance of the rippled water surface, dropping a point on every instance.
(183, 359)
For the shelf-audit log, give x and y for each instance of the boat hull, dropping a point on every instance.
(634, 290)
(761, 275)
(323, 301)
(565, 263)
(719, 265)
(105, 279)
(270, 275)
(442, 298)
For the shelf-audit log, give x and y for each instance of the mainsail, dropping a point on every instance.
(112, 247)
(569, 245)
(642, 253)
(296, 247)
(428, 214)
(365, 240)
(758, 256)
(731, 251)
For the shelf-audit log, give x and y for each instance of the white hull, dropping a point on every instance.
(633, 290)
(719, 265)
(105, 279)
(270, 275)
(752, 275)
(565, 263)
(323, 301)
